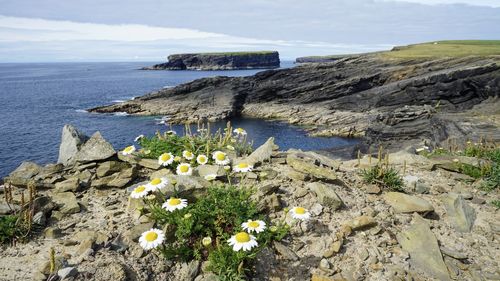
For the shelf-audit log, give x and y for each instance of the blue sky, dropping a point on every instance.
(149, 30)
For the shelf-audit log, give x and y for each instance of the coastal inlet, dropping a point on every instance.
(59, 93)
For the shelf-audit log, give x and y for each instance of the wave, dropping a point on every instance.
(81, 111)
(120, 114)
(118, 101)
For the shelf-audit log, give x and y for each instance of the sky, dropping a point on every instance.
(150, 30)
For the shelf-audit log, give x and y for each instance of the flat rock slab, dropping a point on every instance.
(310, 168)
(419, 241)
(460, 213)
(23, 174)
(403, 203)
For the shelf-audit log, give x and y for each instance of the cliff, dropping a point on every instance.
(220, 61)
(385, 98)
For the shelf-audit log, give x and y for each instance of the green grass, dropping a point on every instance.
(231, 53)
(457, 48)
(386, 177)
(218, 215)
(496, 203)
(11, 229)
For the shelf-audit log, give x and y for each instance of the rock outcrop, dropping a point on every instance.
(383, 100)
(219, 61)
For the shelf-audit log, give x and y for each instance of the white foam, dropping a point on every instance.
(120, 114)
(81, 111)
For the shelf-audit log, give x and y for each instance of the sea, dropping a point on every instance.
(37, 99)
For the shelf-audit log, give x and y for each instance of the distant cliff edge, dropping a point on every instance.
(219, 61)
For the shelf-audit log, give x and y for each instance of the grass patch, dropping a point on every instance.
(488, 154)
(387, 177)
(457, 48)
(496, 203)
(215, 217)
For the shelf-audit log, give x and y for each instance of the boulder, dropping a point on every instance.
(460, 213)
(71, 141)
(110, 167)
(23, 174)
(326, 194)
(204, 170)
(419, 241)
(262, 153)
(118, 180)
(95, 149)
(67, 202)
(403, 203)
(71, 184)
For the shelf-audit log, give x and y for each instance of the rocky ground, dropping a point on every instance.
(395, 102)
(443, 228)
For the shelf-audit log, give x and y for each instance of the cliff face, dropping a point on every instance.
(219, 61)
(382, 100)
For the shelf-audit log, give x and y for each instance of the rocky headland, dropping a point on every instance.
(219, 61)
(380, 97)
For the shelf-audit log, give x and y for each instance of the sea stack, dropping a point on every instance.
(220, 61)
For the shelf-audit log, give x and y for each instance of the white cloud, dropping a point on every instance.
(31, 29)
(488, 3)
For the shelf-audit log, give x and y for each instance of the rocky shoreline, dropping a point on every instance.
(220, 61)
(387, 101)
(442, 229)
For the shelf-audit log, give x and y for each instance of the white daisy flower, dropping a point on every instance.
(251, 225)
(227, 168)
(156, 184)
(206, 241)
(202, 159)
(173, 204)
(230, 147)
(242, 167)
(165, 159)
(184, 169)
(187, 154)
(242, 240)
(151, 239)
(138, 138)
(139, 192)
(240, 131)
(128, 150)
(220, 158)
(300, 213)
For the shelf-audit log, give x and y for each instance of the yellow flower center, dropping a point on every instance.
(184, 168)
(188, 154)
(254, 224)
(240, 130)
(202, 159)
(165, 157)
(220, 156)
(128, 148)
(300, 210)
(242, 237)
(151, 236)
(156, 181)
(243, 165)
(174, 201)
(139, 189)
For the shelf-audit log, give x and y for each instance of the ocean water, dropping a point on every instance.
(36, 100)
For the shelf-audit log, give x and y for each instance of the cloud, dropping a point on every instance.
(34, 39)
(487, 3)
(32, 29)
